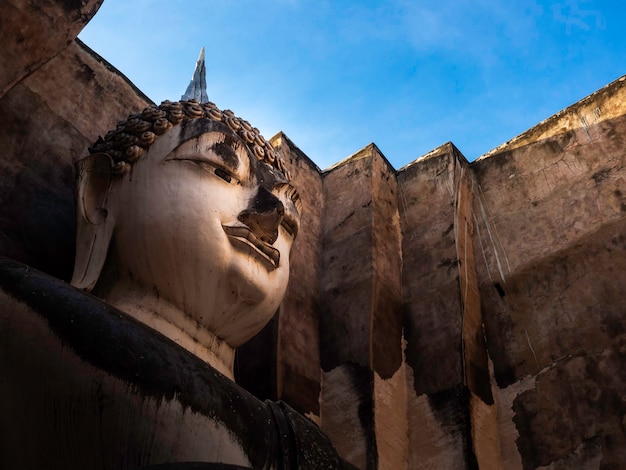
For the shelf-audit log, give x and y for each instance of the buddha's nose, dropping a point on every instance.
(264, 215)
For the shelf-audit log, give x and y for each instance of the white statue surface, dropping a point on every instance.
(185, 221)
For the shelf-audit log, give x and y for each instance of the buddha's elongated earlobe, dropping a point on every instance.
(94, 223)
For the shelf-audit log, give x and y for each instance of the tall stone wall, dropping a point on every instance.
(56, 97)
(550, 208)
(445, 315)
(361, 314)
(513, 324)
(438, 421)
(32, 33)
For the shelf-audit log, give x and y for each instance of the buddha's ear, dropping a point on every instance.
(94, 223)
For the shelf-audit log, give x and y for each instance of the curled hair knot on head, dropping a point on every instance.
(132, 137)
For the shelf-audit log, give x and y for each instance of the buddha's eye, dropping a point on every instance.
(223, 174)
(208, 165)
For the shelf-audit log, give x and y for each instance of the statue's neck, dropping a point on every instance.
(172, 322)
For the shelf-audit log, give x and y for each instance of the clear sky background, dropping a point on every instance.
(337, 75)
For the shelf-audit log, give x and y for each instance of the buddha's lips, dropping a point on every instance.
(245, 235)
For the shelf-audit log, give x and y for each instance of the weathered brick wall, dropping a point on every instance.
(550, 252)
(47, 90)
(512, 291)
(363, 392)
(33, 33)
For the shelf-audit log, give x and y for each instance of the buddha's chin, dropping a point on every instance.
(250, 304)
(252, 284)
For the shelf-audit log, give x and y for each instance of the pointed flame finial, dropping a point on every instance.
(197, 85)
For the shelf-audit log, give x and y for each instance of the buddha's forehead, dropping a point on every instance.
(194, 128)
(209, 136)
(216, 137)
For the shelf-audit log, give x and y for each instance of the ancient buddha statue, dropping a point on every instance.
(185, 221)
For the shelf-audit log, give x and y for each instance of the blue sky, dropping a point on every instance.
(407, 75)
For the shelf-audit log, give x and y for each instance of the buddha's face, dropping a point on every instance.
(205, 226)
